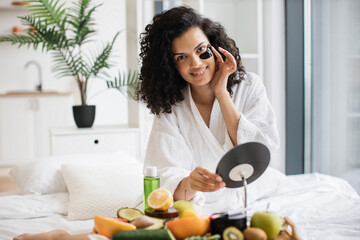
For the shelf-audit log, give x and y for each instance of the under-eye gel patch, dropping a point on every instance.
(208, 53)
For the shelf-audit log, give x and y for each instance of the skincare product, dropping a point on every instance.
(151, 182)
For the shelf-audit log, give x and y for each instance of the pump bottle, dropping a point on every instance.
(151, 183)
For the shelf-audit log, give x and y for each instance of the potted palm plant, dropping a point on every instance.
(66, 32)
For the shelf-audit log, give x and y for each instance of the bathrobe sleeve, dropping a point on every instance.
(168, 151)
(257, 119)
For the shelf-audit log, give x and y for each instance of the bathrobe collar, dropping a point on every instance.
(217, 145)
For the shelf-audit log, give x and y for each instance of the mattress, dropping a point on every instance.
(321, 206)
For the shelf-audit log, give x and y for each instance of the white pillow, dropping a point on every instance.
(267, 183)
(101, 189)
(43, 175)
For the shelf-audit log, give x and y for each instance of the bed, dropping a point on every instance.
(64, 192)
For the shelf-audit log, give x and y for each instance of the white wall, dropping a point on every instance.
(274, 68)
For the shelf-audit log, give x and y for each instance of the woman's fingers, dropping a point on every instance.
(218, 55)
(203, 180)
(209, 174)
(229, 58)
(205, 187)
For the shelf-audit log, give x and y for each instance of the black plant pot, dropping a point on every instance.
(84, 116)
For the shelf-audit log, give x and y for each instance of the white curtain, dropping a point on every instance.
(335, 113)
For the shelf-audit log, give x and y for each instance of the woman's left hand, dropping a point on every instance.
(222, 71)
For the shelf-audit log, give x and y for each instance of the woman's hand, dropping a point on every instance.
(201, 179)
(222, 71)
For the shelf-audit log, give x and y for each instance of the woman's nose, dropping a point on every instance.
(195, 61)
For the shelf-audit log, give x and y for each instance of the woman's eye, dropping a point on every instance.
(201, 49)
(180, 58)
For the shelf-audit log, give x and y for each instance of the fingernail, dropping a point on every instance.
(219, 179)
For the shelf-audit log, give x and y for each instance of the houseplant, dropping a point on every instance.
(65, 32)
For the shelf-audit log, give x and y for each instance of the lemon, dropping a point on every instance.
(160, 199)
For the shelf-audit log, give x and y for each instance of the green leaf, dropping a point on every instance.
(124, 83)
(81, 20)
(48, 11)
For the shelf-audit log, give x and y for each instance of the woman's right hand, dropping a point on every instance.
(203, 180)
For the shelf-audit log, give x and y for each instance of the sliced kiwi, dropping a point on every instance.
(232, 233)
(129, 214)
(212, 237)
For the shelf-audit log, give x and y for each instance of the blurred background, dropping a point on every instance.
(306, 52)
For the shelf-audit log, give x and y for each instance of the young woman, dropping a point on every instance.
(205, 103)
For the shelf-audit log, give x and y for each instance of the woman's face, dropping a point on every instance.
(187, 50)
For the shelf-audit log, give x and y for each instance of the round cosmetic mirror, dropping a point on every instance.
(246, 161)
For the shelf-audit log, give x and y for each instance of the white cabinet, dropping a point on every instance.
(106, 138)
(16, 130)
(25, 123)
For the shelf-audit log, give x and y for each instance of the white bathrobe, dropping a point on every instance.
(181, 140)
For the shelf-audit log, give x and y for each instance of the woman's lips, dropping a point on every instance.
(199, 73)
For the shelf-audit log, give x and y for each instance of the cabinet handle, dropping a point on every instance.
(96, 141)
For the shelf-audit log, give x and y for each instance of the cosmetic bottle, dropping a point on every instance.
(151, 183)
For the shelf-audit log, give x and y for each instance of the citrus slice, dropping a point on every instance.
(160, 199)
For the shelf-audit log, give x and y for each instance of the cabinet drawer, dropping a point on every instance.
(127, 142)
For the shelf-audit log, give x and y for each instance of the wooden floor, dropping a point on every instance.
(8, 184)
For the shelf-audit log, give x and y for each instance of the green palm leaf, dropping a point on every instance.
(45, 34)
(47, 10)
(126, 85)
(22, 40)
(80, 18)
(67, 65)
(101, 60)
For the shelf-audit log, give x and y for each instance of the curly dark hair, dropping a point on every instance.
(160, 84)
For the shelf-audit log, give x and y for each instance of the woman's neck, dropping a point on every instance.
(203, 95)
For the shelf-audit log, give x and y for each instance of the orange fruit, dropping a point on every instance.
(188, 213)
(160, 199)
(108, 226)
(189, 226)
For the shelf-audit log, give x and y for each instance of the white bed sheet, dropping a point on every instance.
(37, 213)
(322, 207)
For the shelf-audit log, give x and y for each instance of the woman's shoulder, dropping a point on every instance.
(250, 80)
(249, 88)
